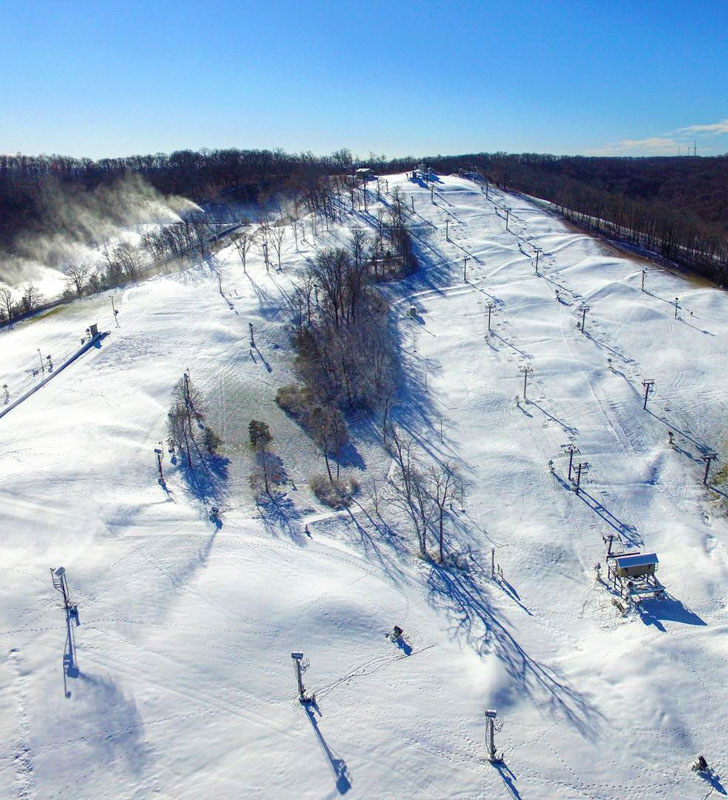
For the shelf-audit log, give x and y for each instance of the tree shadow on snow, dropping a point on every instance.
(207, 477)
(278, 512)
(460, 595)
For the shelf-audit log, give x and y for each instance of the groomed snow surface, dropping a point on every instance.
(180, 683)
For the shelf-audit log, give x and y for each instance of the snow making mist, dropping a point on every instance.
(74, 225)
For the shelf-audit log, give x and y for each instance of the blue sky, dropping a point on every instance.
(612, 77)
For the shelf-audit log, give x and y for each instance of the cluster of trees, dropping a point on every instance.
(189, 433)
(677, 206)
(12, 306)
(345, 350)
(204, 176)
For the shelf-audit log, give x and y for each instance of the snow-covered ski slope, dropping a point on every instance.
(181, 683)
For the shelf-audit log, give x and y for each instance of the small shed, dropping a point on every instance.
(636, 565)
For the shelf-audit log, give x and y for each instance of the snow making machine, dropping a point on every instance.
(632, 576)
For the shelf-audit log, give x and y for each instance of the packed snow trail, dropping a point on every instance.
(186, 688)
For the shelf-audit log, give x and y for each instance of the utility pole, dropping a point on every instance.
(584, 309)
(412, 198)
(490, 716)
(570, 448)
(648, 388)
(441, 439)
(644, 272)
(508, 211)
(447, 229)
(265, 253)
(465, 268)
(432, 192)
(491, 306)
(525, 370)
(538, 253)
(580, 467)
(252, 334)
(707, 458)
(676, 306)
(492, 563)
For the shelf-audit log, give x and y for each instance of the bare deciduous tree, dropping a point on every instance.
(7, 302)
(243, 241)
(76, 276)
(407, 486)
(31, 297)
(442, 484)
(260, 438)
(329, 431)
(277, 235)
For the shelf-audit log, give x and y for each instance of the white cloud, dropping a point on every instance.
(654, 145)
(667, 144)
(714, 128)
